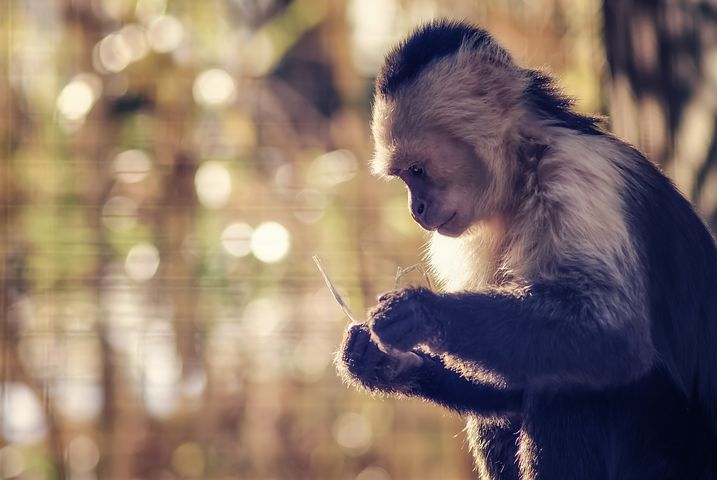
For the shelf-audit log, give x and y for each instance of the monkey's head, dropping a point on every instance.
(450, 116)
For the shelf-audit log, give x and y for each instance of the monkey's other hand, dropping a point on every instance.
(361, 362)
(403, 319)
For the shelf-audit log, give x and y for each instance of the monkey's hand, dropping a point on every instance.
(403, 319)
(361, 362)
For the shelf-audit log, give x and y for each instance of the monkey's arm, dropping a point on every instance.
(363, 364)
(552, 335)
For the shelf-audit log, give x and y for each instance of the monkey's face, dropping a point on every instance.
(444, 120)
(446, 181)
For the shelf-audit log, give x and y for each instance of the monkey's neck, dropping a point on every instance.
(469, 262)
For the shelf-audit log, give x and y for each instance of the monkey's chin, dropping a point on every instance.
(451, 228)
(450, 232)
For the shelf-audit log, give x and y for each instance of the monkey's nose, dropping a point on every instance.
(418, 212)
(420, 208)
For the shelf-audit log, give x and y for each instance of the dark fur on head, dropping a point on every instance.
(442, 38)
(429, 43)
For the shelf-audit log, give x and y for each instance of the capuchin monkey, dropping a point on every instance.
(577, 325)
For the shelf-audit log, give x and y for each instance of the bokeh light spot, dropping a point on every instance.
(333, 168)
(162, 366)
(76, 99)
(264, 315)
(165, 34)
(310, 359)
(83, 454)
(236, 239)
(373, 29)
(270, 242)
(78, 399)
(21, 417)
(147, 10)
(119, 213)
(12, 462)
(142, 262)
(214, 184)
(114, 52)
(213, 88)
(373, 473)
(162, 369)
(131, 166)
(135, 39)
(353, 433)
(311, 205)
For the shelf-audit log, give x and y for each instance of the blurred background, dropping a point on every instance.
(167, 169)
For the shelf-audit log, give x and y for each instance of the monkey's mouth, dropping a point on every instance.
(441, 226)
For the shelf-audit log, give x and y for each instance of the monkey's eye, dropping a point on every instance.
(416, 170)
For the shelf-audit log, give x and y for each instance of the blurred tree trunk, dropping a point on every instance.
(663, 71)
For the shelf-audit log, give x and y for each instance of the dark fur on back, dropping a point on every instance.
(428, 44)
(681, 263)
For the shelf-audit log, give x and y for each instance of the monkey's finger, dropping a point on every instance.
(384, 296)
(393, 317)
(354, 332)
(401, 335)
(367, 367)
(387, 367)
(389, 312)
(358, 341)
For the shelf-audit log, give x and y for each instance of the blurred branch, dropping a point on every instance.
(290, 25)
(661, 57)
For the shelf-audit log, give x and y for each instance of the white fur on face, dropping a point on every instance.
(468, 98)
(458, 178)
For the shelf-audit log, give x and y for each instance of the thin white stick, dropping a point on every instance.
(406, 359)
(333, 290)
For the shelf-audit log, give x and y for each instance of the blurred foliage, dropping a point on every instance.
(168, 169)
